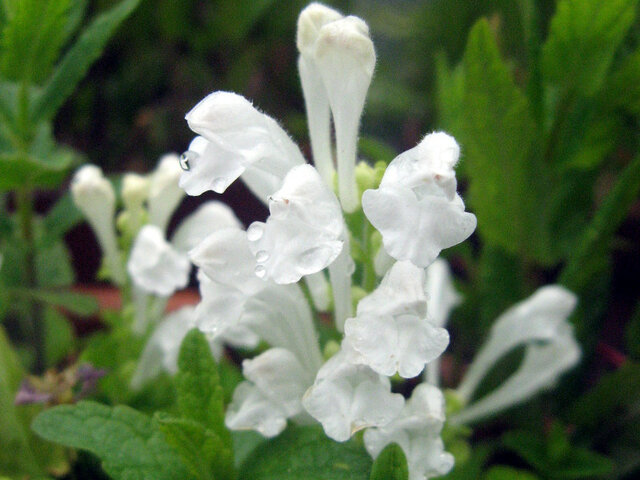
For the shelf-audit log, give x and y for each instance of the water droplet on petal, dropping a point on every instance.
(255, 231)
(185, 158)
(262, 256)
(260, 271)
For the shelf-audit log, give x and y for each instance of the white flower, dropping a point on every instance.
(154, 265)
(310, 21)
(303, 234)
(235, 139)
(206, 219)
(346, 398)
(93, 194)
(416, 207)
(272, 394)
(391, 331)
(417, 431)
(164, 192)
(540, 323)
(135, 190)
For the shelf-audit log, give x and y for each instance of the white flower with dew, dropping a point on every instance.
(235, 138)
(346, 398)
(416, 207)
(417, 431)
(540, 324)
(154, 265)
(206, 219)
(164, 193)
(94, 196)
(391, 331)
(304, 232)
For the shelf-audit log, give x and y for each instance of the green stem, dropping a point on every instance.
(25, 213)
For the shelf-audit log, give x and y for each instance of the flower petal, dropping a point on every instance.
(251, 409)
(304, 232)
(209, 217)
(164, 193)
(154, 265)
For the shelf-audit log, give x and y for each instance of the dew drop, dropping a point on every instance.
(255, 231)
(262, 256)
(260, 271)
(185, 158)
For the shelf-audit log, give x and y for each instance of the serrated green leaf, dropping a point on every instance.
(391, 464)
(507, 473)
(125, 440)
(497, 135)
(76, 62)
(306, 452)
(200, 395)
(201, 450)
(583, 38)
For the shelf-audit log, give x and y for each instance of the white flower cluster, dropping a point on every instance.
(249, 278)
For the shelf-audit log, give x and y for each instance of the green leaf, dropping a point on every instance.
(200, 449)
(20, 169)
(61, 218)
(53, 266)
(587, 256)
(623, 87)
(508, 473)
(497, 134)
(76, 62)
(32, 38)
(391, 464)
(583, 38)
(126, 441)
(200, 395)
(306, 452)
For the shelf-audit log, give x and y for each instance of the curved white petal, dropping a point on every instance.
(236, 137)
(251, 409)
(304, 232)
(539, 318)
(417, 430)
(540, 369)
(164, 193)
(391, 331)
(154, 265)
(346, 398)
(225, 257)
(206, 219)
(416, 208)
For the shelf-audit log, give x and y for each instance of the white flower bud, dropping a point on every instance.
(164, 193)
(135, 190)
(94, 196)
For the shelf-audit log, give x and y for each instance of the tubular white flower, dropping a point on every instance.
(93, 194)
(346, 398)
(135, 191)
(391, 332)
(235, 138)
(340, 272)
(442, 297)
(416, 207)
(540, 323)
(310, 21)
(154, 265)
(319, 290)
(417, 431)
(304, 232)
(345, 58)
(206, 219)
(272, 394)
(164, 193)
